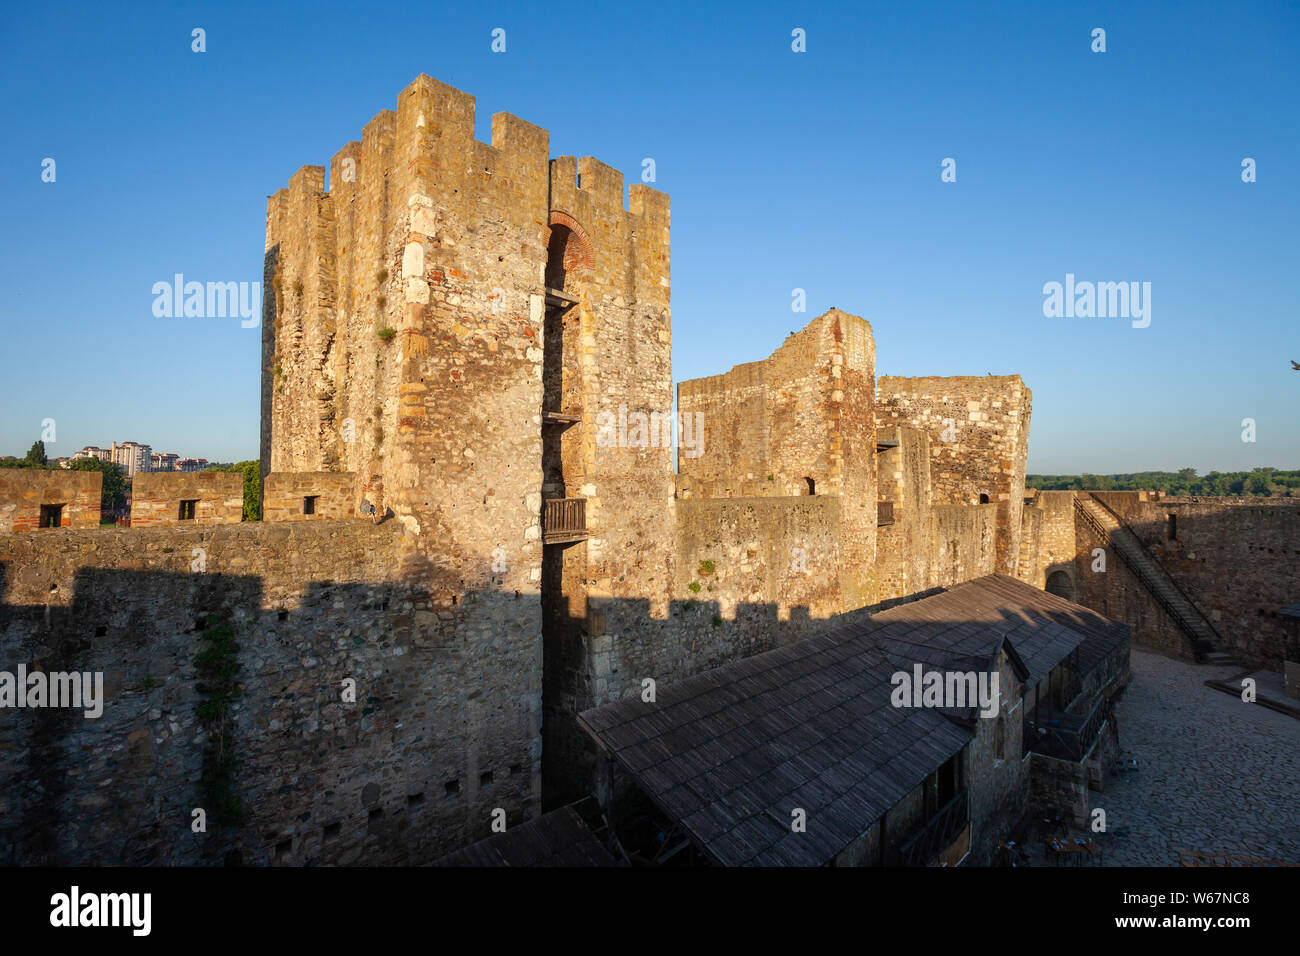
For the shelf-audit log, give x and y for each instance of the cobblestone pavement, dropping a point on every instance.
(1216, 775)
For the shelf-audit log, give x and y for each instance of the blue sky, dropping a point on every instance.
(818, 171)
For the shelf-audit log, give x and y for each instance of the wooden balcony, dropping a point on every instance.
(938, 834)
(564, 520)
(884, 513)
(1067, 736)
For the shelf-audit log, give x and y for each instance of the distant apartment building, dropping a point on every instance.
(163, 461)
(132, 457)
(94, 451)
(191, 464)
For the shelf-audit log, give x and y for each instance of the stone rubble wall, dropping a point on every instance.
(979, 440)
(445, 727)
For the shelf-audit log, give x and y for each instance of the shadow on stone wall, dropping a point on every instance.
(446, 725)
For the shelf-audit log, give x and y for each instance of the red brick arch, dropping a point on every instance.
(569, 248)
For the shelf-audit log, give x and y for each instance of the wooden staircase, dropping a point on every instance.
(1206, 641)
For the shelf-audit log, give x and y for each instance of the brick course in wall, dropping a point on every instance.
(211, 497)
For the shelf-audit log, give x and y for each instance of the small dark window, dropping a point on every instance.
(485, 778)
(414, 799)
(187, 509)
(516, 769)
(452, 787)
(812, 486)
(101, 630)
(332, 830)
(1173, 527)
(984, 499)
(51, 516)
(309, 504)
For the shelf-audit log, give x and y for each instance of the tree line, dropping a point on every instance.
(1258, 482)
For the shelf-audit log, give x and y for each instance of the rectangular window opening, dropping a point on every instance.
(309, 504)
(187, 510)
(51, 516)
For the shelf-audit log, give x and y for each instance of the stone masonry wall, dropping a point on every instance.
(905, 549)
(24, 490)
(1053, 546)
(1237, 559)
(156, 497)
(979, 439)
(444, 728)
(284, 496)
(964, 543)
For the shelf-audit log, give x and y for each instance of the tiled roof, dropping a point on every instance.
(731, 753)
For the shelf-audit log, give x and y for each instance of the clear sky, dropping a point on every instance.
(816, 170)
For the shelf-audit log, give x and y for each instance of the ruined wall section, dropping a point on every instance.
(979, 440)
(771, 425)
(214, 497)
(24, 490)
(800, 422)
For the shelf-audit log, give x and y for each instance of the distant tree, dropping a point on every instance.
(252, 472)
(113, 491)
(36, 455)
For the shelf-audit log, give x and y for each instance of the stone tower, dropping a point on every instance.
(446, 323)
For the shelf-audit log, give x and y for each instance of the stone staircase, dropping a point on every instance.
(1206, 641)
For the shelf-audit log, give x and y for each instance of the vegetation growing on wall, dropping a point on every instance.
(217, 665)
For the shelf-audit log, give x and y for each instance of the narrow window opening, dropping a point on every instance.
(485, 778)
(51, 516)
(812, 486)
(309, 504)
(984, 499)
(1173, 527)
(187, 509)
(452, 787)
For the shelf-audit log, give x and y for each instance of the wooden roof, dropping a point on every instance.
(558, 838)
(731, 753)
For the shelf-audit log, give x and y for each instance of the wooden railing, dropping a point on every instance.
(1069, 743)
(564, 519)
(939, 833)
(884, 513)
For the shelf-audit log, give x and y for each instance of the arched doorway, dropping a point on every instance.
(1059, 583)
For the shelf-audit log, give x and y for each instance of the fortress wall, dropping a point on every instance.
(24, 490)
(904, 550)
(1240, 563)
(444, 727)
(156, 497)
(965, 537)
(1049, 543)
(979, 435)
